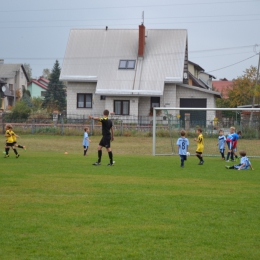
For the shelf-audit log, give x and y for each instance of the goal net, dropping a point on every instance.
(168, 125)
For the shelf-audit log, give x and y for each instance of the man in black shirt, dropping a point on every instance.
(107, 136)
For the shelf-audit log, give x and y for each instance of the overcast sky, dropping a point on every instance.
(220, 33)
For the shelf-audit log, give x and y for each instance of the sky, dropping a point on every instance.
(223, 36)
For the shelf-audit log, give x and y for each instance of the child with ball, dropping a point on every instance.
(183, 144)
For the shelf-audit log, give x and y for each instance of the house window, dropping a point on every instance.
(11, 88)
(43, 93)
(126, 64)
(121, 107)
(84, 100)
(155, 101)
(102, 97)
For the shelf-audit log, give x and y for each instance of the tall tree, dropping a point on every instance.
(46, 73)
(28, 70)
(55, 97)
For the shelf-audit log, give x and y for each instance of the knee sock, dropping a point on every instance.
(232, 156)
(20, 146)
(228, 156)
(7, 151)
(85, 151)
(222, 155)
(110, 157)
(201, 158)
(231, 167)
(182, 162)
(99, 155)
(15, 151)
(198, 156)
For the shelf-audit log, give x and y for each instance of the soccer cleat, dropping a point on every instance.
(111, 164)
(182, 166)
(201, 163)
(227, 167)
(96, 164)
(227, 160)
(6, 156)
(17, 156)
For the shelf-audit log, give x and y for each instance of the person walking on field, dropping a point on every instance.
(107, 137)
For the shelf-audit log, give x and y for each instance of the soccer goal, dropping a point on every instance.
(167, 127)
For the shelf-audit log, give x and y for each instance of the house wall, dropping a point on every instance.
(35, 90)
(190, 93)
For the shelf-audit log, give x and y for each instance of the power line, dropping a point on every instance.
(137, 18)
(232, 64)
(103, 26)
(126, 7)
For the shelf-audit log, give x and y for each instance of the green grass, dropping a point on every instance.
(57, 206)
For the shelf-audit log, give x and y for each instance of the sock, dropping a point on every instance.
(231, 167)
(7, 151)
(236, 156)
(201, 158)
(198, 156)
(228, 156)
(232, 156)
(15, 151)
(85, 151)
(110, 157)
(20, 146)
(99, 155)
(182, 162)
(222, 154)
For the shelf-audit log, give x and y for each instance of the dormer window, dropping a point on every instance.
(126, 64)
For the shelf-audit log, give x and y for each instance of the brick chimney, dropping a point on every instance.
(141, 43)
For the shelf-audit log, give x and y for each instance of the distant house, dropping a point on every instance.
(222, 86)
(15, 78)
(38, 87)
(129, 71)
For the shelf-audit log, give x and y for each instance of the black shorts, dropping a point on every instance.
(105, 142)
(198, 152)
(9, 144)
(183, 157)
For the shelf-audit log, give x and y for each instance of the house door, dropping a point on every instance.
(197, 118)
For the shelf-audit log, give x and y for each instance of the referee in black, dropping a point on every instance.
(107, 137)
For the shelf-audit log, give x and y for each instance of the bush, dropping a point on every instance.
(20, 113)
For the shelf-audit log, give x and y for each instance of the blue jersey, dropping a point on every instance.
(235, 137)
(243, 160)
(85, 139)
(183, 144)
(221, 142)
(229, 137)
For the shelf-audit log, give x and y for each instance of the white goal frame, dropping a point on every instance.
(191, 109)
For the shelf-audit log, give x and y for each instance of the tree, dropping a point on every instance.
(55, 97)
(28, 70)
(46, 73)
(27, 98)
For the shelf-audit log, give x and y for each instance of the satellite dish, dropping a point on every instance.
(3, 88)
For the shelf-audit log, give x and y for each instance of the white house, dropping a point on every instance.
(16, 79)
(128, 71)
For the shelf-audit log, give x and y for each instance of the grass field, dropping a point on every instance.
(57, 206)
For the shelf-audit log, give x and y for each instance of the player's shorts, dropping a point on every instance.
(234, 150)
(105, 142)
(85, 147)
(222, 150)
(230, 146)
(183, 157)
(198, 152)
(9, 144)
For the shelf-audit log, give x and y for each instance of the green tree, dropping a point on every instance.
(27, 98)
(55, 98)
(37, 103)
(20, 112)
(28, 70)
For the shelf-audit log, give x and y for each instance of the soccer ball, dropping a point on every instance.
(188, 153)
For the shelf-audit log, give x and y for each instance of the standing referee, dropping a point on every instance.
(107, 137)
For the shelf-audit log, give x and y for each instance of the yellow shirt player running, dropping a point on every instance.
(9, 141)
(200, 145)
(15, 136)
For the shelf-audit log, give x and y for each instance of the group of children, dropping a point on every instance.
(11, 141)
(231, 141)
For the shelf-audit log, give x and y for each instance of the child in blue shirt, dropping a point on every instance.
(86, 141)
(221, 144)
(183, 144)
(245, 164)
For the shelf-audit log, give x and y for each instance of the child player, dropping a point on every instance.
(107, 137)
(229, 141)
(14, 140)
(235, 138)
(200, 145)
(245, 164)
(86, 141)
(9, 141)
(183, 144)
(221, 143)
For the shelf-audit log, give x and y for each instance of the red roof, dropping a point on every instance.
(222, 86)
(35, 81)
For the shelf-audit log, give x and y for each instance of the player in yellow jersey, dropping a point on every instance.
(200, 145)
(9, 141)
(14, 135)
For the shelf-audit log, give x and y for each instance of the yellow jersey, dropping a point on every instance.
(9, 136)
(200, 144)
(13, 135)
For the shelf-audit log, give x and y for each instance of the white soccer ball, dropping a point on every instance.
(188, 153)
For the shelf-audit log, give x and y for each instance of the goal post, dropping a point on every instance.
(169, 121)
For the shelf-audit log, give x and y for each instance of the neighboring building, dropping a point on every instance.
(38, 87)
(16, 79)
(129, 71)
(222, 86)
(198, 77)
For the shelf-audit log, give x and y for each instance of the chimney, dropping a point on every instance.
(141, 40)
